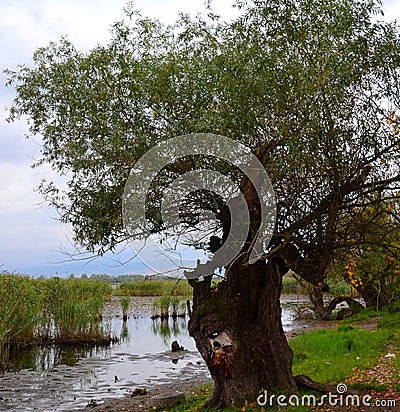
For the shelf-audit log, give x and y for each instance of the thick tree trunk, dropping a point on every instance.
(238, 330)
(323, 312)
(372, 296)
(317, 299)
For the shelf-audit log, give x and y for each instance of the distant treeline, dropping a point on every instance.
(116, 279)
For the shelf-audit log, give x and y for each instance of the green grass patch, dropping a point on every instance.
(397, 360)
(332, 355)
(390, 320)
(363, 315)
(197, 398)
(386, 318)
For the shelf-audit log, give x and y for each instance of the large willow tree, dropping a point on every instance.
(310, 87)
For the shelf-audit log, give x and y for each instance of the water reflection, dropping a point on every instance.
(137, 336)
(46, 358)
(166, 328)
(124, 335)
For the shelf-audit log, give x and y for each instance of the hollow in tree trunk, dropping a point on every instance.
(238, 331)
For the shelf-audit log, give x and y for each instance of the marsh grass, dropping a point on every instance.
(53, 310)
(293, 286)
(155, 288)
(125, 302)
(19, 312)
(166, 306)
(72, 310)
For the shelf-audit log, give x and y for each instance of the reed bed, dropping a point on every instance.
(19, 311)
(125, 302)
(72, 310)
(166, 306)
(155, 288)
(34, 311)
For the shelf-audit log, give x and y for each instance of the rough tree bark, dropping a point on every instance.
(238, 331)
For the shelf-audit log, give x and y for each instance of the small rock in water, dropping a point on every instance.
(167, 399)
(175, 361)
(116, 378)
(138, 392)
(175, 347)
(91, 404)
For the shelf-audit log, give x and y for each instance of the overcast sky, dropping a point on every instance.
(30, 237)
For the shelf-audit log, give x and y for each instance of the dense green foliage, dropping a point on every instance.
(301, 83)
(372, 266)
(295, 285)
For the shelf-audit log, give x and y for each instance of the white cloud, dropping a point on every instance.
(16, 190)
(391, 8)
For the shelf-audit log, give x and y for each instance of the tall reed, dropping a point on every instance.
(50, 311)
(20, 304)
(72, 309)
(165, 306)
(125, 301)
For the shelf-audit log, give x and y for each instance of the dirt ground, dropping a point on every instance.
(142, 402)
